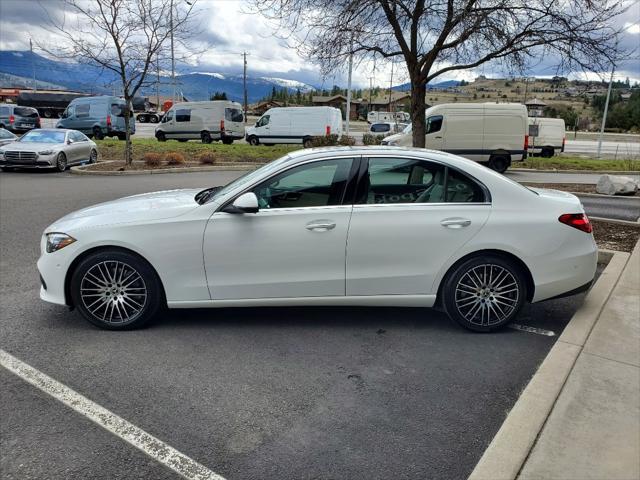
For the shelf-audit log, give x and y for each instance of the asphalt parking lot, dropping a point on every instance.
(279, 393)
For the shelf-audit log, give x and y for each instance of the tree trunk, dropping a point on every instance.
(128, 149)
(418, 91)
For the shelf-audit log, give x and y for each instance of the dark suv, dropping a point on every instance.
(18, 119)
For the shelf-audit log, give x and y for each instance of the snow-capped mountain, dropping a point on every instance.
(285, 82)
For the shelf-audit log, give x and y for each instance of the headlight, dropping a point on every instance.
(56, 241)
(45, 152)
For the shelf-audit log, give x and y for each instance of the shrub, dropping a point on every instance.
(174, 158)
(347, 141)
(370, 139)
(324, 141)
(207, 158)
(152, 159)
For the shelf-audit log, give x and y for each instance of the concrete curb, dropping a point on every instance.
(629, 223)
(82, 169)
(509, 449)
(594, 172)
(600, 195)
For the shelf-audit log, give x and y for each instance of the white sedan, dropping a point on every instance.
(340, 226)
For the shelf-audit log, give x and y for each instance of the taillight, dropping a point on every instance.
(328, 130)
(108, 120)
(221, 125)
(526, 142)
(12, 119)
(577, 220)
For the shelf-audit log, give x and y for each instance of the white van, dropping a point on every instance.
(495, 133)
(206, 121)
(375, 117)
(546, 136)
(295, 125)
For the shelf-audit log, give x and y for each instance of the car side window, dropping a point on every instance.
(434, 124)
(380, 127)
(168, 117)
(402, 180)
(263, 121)
(82, 110)
(183, 115)
(462, 189)
(77, 137)
(317, 184)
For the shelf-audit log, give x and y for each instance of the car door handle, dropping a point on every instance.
(320, 226)
(438, 137)
(455, 222)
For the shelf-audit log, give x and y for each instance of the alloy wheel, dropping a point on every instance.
(487, 294)
(113, 292)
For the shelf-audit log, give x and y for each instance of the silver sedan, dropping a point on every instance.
(48, 148)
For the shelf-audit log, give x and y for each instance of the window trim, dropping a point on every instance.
(365, 170)
(346, 201)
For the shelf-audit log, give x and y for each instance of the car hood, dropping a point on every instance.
(32, 146)
(146, 207)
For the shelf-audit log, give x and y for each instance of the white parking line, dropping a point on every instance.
(155, 448)
(526, 328)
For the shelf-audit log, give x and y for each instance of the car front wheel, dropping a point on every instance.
(484, 293)
(116, 290)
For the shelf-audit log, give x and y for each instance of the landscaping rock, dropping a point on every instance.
(616, 185)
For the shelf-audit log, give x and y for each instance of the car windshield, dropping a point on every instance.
(407, 129)
(212, 194)
(43, 136)
(4, 134)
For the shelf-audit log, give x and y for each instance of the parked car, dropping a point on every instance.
(492, 133)
(18, 119)
(333, 226)
(6, 137)
(402, 139)
(48, 148)
(206, 121)
(97, 117)
(296, 125)
(546, 136)
(374, 117)
(382, 128)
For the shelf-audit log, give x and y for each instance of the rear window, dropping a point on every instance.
(233, 115)
(380, 127)
(117, 109)
(25, 112)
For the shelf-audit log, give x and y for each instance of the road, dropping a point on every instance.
(623, 149)
(279, 393)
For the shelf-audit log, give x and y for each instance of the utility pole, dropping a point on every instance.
(173, 57)
(158, 108)
(370, 90)
(33, 66)
(390, 85)
(349, 88)
(244, 85)
(604, 114)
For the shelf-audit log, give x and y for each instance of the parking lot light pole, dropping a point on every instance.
(173, 57)
(348, 114)
(604, 114)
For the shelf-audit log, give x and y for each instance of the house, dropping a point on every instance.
(535, 107)
(396, 102)
(261, 107)
(337, 101)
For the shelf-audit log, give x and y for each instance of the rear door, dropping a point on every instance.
(410, 217)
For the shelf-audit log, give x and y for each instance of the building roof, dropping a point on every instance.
(534, 102)
(383, 98)
(331, 98)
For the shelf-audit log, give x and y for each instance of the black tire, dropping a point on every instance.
(161, 137)
(48, 114)
(497, 302)
(93, 156)
(122, 136)
(98, 134)
(140, 300)
(547, 152)
(141, 118)
(206, 137)
(61, 162)
(499, 163)
(307, 142)
(153, 119)
(227, 140)
(253, 141)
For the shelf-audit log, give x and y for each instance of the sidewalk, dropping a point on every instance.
(579, 417)
(593, 431)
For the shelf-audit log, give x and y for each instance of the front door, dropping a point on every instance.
(294, 246)
(410, 217)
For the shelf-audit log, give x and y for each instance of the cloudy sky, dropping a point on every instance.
(227, 29)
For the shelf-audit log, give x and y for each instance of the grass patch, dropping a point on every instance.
(111, 149)
(577, 163)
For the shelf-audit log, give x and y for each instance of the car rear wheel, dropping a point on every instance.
(97, 133)
(206, 137)
(499, 163)
(61, 162)
(307, 143)
(116, 290)
(227, 140)
(547, 152)
(484, 293)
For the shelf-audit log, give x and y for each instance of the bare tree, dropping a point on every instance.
(435, 37)
(120, 36)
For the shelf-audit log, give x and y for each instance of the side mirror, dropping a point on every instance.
(69, 142)
(245, 203)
